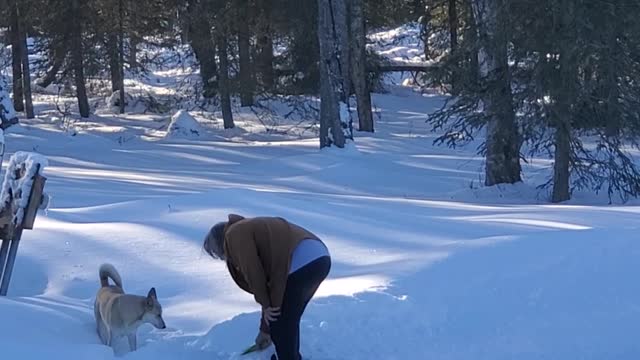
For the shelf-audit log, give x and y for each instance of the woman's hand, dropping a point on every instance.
(263, 340)
(270, 314)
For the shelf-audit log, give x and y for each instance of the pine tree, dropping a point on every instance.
(487, 104)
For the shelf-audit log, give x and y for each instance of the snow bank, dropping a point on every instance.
(183, 125)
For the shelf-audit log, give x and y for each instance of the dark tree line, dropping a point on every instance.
(233, 42)
(554, 76)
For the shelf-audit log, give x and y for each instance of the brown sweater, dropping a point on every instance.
(258, 252)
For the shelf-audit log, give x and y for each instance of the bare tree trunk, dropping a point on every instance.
(133, 37)
(564, 94)
(612, 89)
(453, 39)
(425, 31)
(264, 56)
(502, 143)
(225, 93)
(244, 55)
(358, 66)
(341, 32)
(472, 34)
(332, 125)
(201, 40)
(26, 76)
(16, 57)
(77, 56)
(121, 54)
(562, 158)
(453, 24)
(133, 52)
(114, 60)
(23, 50)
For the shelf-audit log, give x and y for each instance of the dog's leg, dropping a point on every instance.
(101, 327)
(132, 342)
(103, 332)
(98, 319)
(108, 336)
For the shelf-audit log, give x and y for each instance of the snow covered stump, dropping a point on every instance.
(21, 197)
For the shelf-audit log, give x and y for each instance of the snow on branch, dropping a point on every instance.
(8, 115)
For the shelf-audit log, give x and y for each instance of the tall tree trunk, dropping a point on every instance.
(332, 124)
(453, 25)
(244, 55)
(23, 50)
(425, 31)
(26, 75)
(564, 93)
(225, 93)
(121, 54)
(562, 157)
(502, 143)
(358, 66)
(612, 87)
(453, 39)
(77, 56)
(133, 37)
(133, 52)
(472, 35)
(264, 43)
(341, 33)
(201, 40)
(16, 57)
(114, 61)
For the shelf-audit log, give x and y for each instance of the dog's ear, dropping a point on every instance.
(152, 294)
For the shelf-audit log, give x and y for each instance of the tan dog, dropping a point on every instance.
(118, 314)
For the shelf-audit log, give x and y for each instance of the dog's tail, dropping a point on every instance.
(109, 271)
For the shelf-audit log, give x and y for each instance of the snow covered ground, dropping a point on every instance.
(427, 264)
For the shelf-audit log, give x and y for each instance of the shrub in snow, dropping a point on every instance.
(183, 125)
(16, 191)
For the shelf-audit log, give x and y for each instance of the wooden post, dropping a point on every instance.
(11, 260)
(4, 250)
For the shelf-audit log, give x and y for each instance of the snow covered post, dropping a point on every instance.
(21, 197)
